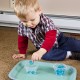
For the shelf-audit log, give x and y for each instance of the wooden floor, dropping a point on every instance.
(8, 46)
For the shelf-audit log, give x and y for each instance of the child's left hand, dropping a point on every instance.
(38, 54)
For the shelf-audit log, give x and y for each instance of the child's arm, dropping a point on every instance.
(49, 41)
(22, 44)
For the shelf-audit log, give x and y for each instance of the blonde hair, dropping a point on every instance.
(23, 7)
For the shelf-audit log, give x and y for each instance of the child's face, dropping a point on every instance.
(32, 19)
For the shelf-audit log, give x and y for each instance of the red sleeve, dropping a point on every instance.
(50, 39)
(22, 44)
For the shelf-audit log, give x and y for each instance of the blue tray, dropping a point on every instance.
(45, 72)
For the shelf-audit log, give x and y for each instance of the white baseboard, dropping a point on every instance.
(65, 24)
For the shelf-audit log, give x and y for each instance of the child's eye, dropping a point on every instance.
(32, 19)
(24, 21)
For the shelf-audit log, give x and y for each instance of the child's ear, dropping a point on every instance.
(39, 10)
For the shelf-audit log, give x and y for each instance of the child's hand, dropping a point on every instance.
(38, 54)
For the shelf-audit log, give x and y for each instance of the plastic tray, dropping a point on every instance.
(45, 72)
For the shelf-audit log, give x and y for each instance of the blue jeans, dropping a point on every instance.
(64, 44)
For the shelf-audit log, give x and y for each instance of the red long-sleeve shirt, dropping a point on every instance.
(50, 38)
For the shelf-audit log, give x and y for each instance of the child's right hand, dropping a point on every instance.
(17, 56)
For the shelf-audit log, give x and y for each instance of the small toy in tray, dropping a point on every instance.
(62, 69)
(31, 68)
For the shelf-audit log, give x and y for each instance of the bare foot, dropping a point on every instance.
(17, 56)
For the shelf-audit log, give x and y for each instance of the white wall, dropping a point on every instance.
(57, 7)
(61, 7)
